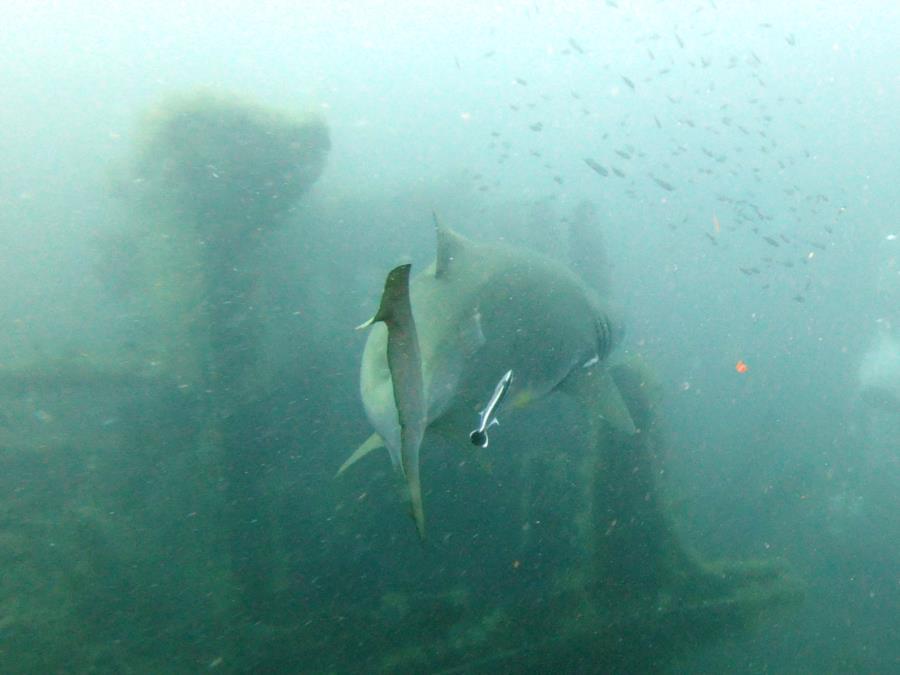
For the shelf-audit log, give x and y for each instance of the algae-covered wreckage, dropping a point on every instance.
(165, 509)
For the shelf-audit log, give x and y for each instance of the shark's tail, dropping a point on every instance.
(405, 364)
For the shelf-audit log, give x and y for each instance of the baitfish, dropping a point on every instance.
(665, 185)
(599, 168)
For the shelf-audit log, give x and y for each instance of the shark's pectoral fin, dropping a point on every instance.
(405, 364)
(612, 406)
(595, 388)
(373, 442)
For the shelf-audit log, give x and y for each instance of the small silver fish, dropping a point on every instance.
(487, 419)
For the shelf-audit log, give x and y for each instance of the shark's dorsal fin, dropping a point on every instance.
(450, 246)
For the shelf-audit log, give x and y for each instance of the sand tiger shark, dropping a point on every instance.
(439, 343)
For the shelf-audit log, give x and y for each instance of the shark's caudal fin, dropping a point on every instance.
(373, 442)
(405, 364)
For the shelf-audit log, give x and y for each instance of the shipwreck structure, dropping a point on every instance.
(150, 495)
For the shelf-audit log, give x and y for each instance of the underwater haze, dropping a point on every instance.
(200, 201)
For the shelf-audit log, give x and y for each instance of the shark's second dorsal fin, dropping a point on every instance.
(450, 246)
